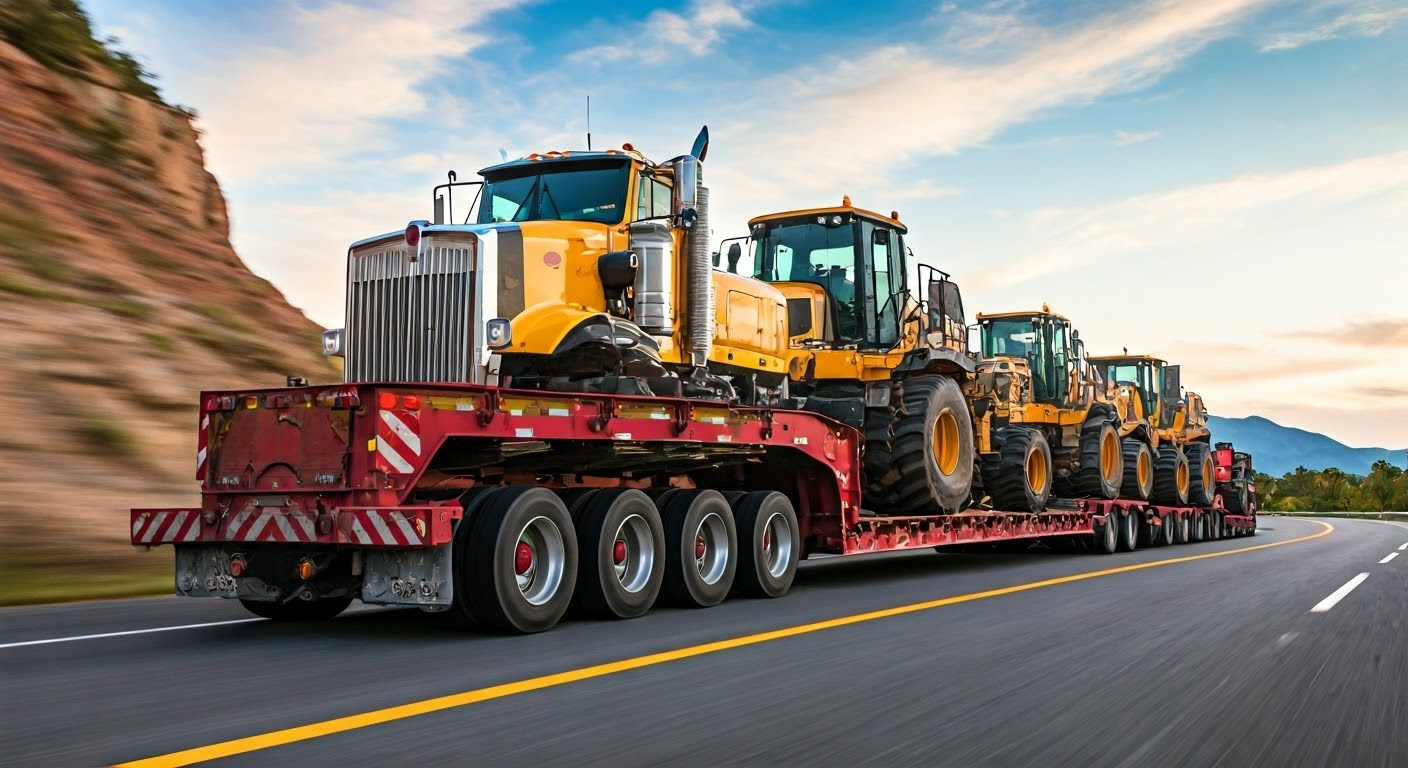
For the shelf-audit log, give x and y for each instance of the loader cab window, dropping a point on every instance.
(813, 253)
(1043, 341)
(1138, 375)
(593, 190)
(882, 262)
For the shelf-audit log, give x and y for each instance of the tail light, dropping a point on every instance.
(342, 397)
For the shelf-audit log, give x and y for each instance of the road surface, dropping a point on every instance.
(1276, 656)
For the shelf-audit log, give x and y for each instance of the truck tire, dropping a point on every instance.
(1201, 480)
(881, 476)
(621, 562)
(1168, 531)
(1184, 525)
(1197, 527)
(1106, 540)
(522, 564)
(299, 610)
(1101, 469)
(1138, 460)
(460, 615)
(701, 548)
(1129, 530)
(1020, 478)
(1234, 498)
(769, 544)
(1171, 477)
(932, 448)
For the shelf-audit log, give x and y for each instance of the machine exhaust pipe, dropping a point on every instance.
(692, 211)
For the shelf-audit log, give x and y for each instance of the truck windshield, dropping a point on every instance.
(586, 191)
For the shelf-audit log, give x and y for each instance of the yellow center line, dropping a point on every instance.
(427, 706)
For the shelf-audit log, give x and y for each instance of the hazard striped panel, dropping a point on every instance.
(401, 527)
(271, 524)
(165, 526)
(202, 446)
(398, 442)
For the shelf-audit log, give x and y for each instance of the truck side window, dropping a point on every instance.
(653, 200)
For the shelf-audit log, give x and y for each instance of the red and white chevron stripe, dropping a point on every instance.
(165, 526)
(382, 528)
(202, 446)
(397, 442)
(256, 524)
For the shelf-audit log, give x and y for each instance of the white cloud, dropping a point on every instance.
(665, 33)
(1353, 18)
(323, 87)
(1129, 138)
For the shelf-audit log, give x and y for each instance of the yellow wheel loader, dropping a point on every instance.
(1042, 430)
(1164, 432)
(865, 351)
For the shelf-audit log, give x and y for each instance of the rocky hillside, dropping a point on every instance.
(120, 295)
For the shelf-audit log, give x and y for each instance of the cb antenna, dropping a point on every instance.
(589, 122)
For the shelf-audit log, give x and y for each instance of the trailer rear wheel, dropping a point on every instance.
(1020, 478)
(1197, 527)
(299, 610)
(1129, 530)
(1101, 470)
(522, 564)
(769, 543)
(1106, 540)
(701, 546)
(461, 615)
(1182, 530)
(1201, 481)
(1138, 460)
(1171, 477)
(932, 448)
(1168, 530)
(622, 554)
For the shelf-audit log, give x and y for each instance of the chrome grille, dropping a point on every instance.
(410, 320)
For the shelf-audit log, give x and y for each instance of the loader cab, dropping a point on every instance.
(1156, 381)
(855, 257)
(1050, 346)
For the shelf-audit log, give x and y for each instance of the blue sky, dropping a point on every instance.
(1221, 182)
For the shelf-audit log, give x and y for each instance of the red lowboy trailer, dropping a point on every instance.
(504, 507)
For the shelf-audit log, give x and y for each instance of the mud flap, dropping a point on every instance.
(418, 577)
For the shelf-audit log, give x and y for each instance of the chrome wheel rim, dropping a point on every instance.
(711, 548)
(540, 557)
(777, 544)
(633, 553)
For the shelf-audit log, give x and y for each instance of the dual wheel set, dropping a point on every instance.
(1127, 531)
(525, 556)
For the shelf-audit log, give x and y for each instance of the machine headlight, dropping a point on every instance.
(332, 342)
(498, 333)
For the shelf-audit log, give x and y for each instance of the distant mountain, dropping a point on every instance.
(1277, 450)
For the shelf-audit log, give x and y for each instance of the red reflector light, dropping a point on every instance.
(220, 403)
(305, 569)
(413, 235)
(237, 566)
(343, 397)
(412, 402)
(388, 400)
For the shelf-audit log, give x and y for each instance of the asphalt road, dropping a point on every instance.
(1219, 661)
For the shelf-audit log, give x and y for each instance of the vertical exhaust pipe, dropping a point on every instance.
(692, 211)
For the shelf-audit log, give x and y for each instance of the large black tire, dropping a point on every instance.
(460, 615)
(1197, 527)
(1101, 469)
(619, 523)
(506, 523)
(1106, 540)
(1171, 477)
(1168, 531)
(932, 449)
(1235, 497)
(1130, 523)
(1138, 460)
(1202, 483)
(299, 610)
(692, 517)
(769, 544)
(1019, 480)
(881, 476)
